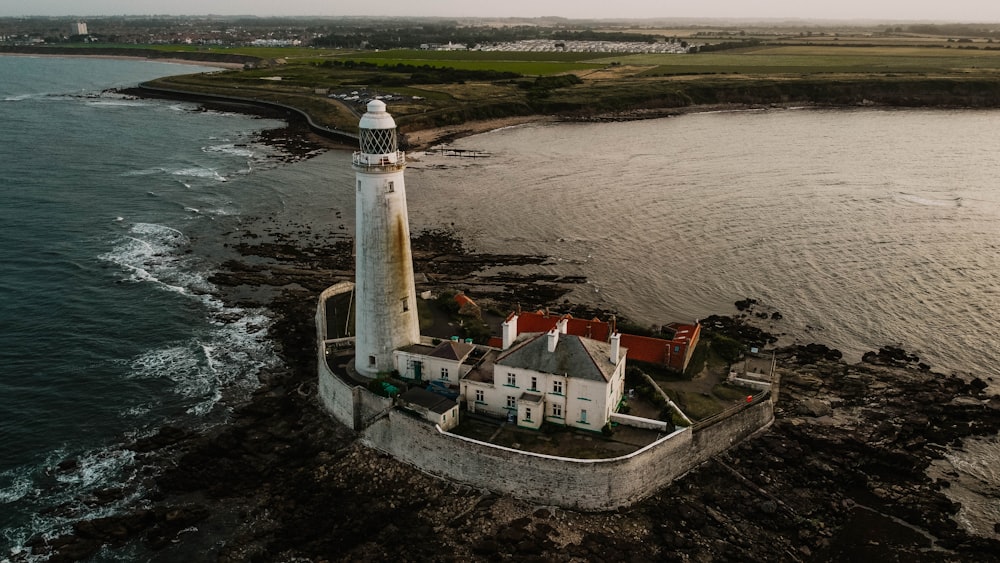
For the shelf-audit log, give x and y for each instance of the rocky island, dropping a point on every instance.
(846, 472)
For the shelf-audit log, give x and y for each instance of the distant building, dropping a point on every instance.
(78, 28)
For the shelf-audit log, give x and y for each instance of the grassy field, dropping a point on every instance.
(792, 60)
(837, 75)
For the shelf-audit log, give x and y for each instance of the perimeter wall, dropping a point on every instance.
(582, 484)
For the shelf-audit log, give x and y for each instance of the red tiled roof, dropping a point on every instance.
(540, 322)
(641, 348)
(645, 349)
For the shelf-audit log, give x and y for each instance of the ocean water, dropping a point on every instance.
(108, 326)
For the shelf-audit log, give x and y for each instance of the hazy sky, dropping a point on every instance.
(947, 10)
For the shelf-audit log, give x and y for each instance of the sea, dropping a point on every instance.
(861, 227)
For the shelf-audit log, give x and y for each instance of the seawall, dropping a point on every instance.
(328, 132)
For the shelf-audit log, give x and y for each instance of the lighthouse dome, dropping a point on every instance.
(376, 117)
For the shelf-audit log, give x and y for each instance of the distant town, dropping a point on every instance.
(504, 34)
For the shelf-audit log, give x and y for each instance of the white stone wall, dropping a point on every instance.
(572, 483)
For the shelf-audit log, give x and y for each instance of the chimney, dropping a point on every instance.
(509, 331)
(616, 346)
(553, 339)
(563, 325)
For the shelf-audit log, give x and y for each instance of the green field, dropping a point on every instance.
(815, 59)
(830, 75)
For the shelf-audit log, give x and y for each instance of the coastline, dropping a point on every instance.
(273, 483)
(282, 479)
(218, 64)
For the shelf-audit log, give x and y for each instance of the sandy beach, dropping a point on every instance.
(230, 66)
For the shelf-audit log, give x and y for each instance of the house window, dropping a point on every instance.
(534, 384)
(556, 410)
(557, 387)
(527, 414)
(583, 416)
(511, 380)
(391, 187)
(444, 373)
(371, 361)
(480, 396)
(677, 348)
(511, 402)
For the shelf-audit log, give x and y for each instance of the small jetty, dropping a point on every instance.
(464, 153)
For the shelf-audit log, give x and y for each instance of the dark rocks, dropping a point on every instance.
(814, 408)
(812, 353)
(891, 356)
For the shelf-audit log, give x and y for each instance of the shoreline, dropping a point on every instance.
(188, 62)
(273, 481)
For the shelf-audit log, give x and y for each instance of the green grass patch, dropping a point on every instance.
(728, 392)
(818, 59)
(699, 406)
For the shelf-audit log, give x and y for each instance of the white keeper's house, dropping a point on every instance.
(536, 377)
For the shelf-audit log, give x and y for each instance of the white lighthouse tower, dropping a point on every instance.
(385, 300)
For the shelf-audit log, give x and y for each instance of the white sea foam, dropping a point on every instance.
(98, 467)
(223, 355)
(198, 172)
(974, 477)
(230, 148)
(95, 469)
(20, 484)
(116, 103)
(153, 253)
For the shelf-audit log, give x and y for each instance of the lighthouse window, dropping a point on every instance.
(371, 361)
(406, 304)
(359, 185)
(391, 186)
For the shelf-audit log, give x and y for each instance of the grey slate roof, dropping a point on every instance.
(430, 401)
(451, 350)
(574, 356)
(530, 397)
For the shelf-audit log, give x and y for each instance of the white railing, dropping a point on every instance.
(367, 161)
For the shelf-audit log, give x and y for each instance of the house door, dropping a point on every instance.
(417, 369)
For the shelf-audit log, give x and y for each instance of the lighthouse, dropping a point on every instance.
(385, 298)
